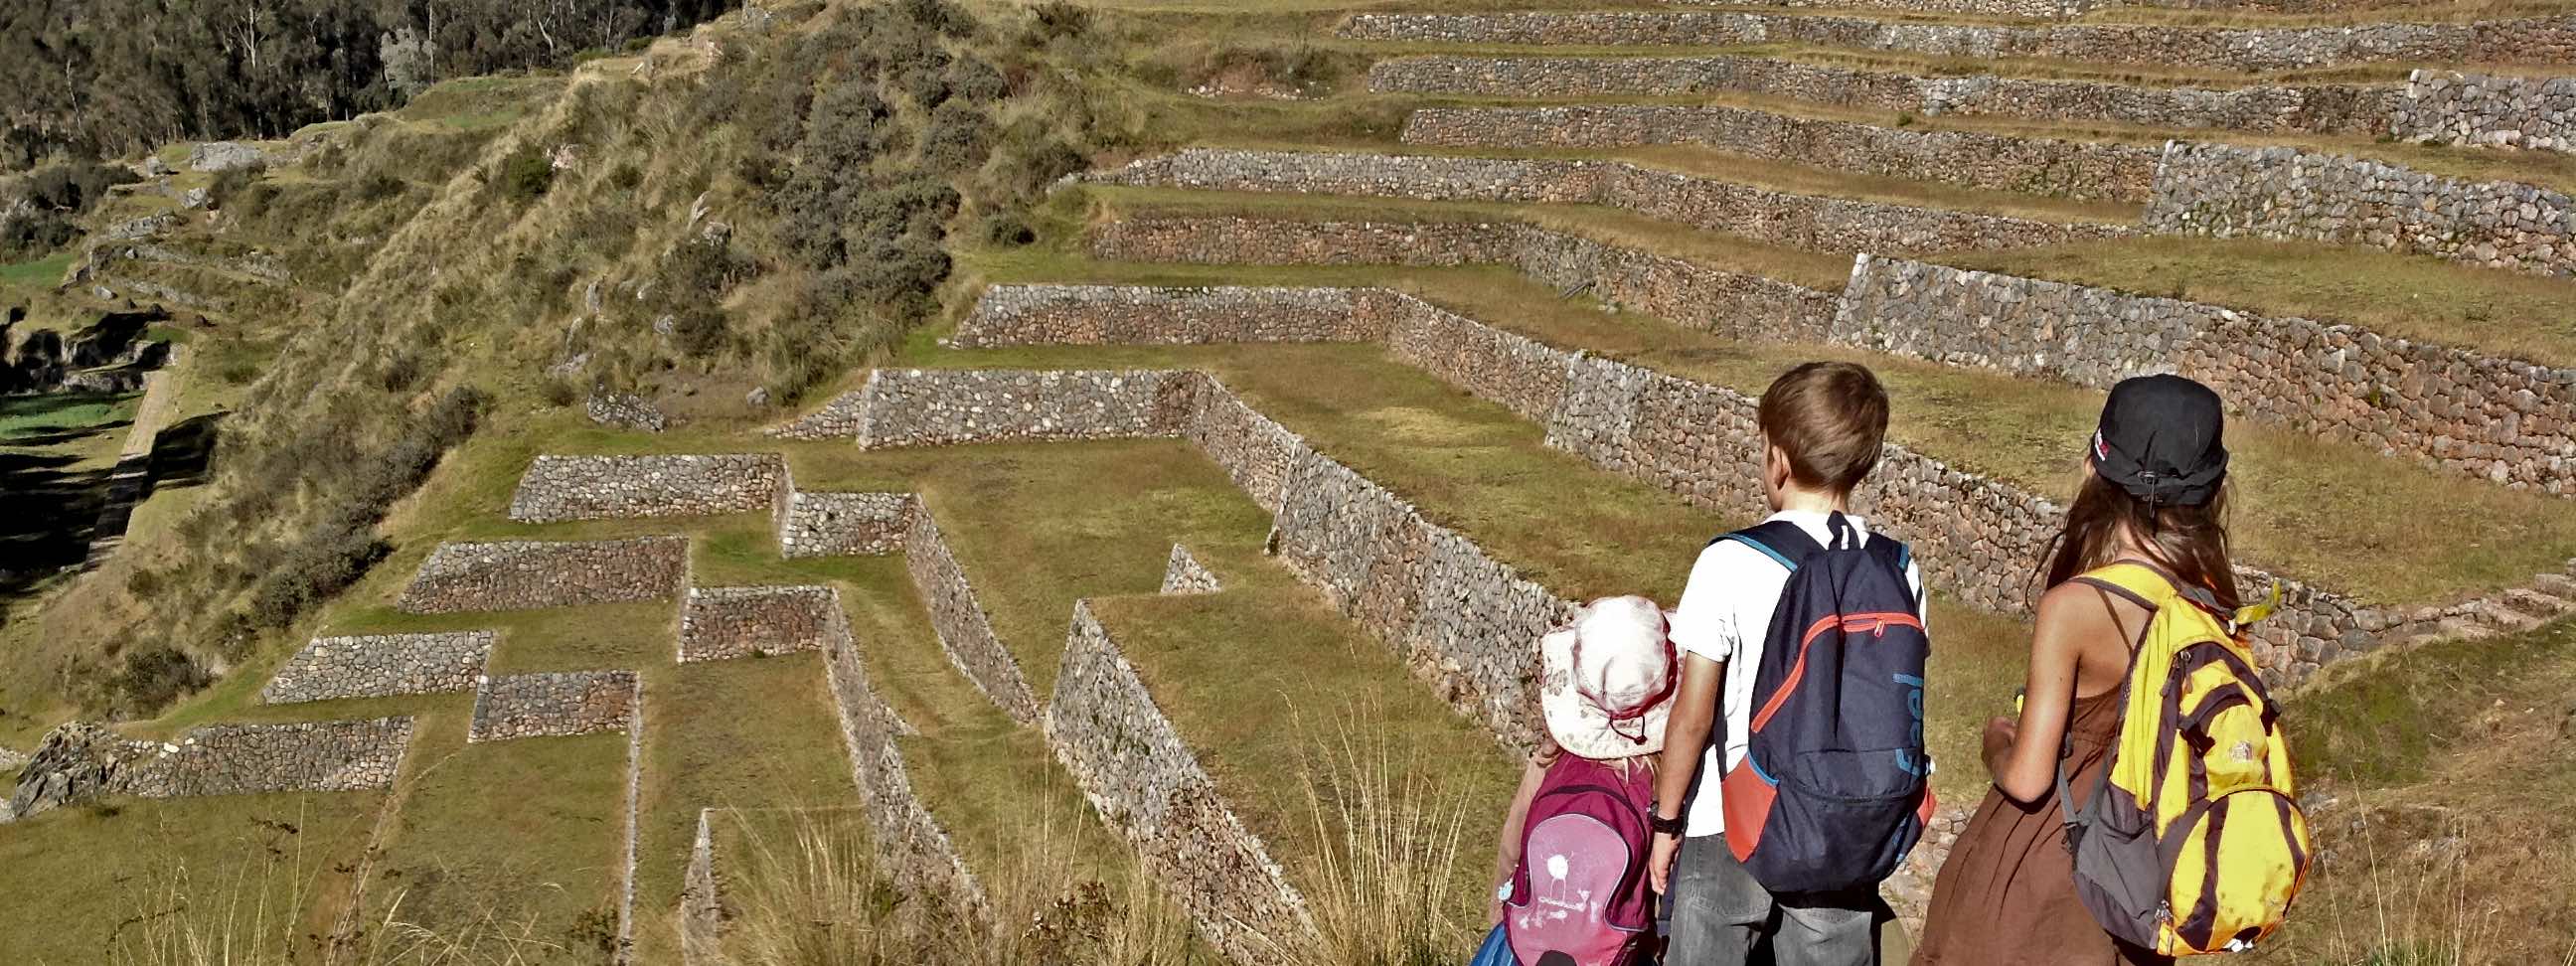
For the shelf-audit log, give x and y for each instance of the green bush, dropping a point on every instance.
(960, 137)
(155, 676)
(626, 177)
(525, 175)
(230, 184)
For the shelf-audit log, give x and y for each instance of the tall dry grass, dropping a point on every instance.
(2412, 886)
(1385, 888)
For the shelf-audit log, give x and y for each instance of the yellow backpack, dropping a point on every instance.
(2194, 842)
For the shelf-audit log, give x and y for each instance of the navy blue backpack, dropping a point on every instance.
(1834, 787)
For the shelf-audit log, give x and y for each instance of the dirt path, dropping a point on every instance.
(132, 478)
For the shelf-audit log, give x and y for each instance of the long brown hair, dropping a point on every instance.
(2188, 541)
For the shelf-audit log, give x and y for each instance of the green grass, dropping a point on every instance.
(507, 844)
(258, 871)
(2383, 720)
(38, 274)
(32, 421)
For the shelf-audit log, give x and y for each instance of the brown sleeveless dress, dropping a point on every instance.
(2006, 894)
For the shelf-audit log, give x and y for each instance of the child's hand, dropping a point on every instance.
(2001, 732)
(1659, 865)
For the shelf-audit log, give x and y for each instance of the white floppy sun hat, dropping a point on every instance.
(1606, 680)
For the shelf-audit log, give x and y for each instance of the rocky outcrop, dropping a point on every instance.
(1995, 162)
(1781, 218)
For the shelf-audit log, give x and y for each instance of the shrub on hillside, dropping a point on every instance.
(153, 677)
(230, 184)
(525, 175)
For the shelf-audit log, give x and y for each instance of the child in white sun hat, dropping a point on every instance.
(1571, 886)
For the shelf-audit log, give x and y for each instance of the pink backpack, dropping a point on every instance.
(1580, 896)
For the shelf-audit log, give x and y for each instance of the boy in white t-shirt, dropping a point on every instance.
(1822, 426)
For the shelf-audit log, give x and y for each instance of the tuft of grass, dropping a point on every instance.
(1392, 828)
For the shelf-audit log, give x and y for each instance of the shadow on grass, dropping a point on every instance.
(47, 512)
(183, 453)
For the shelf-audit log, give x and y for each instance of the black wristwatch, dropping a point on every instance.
(1667, 826)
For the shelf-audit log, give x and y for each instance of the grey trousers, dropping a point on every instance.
(1721, 917)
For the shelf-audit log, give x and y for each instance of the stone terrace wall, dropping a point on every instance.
(2498, 419)
(1739, 304)
(555, 704)
(965, 631)
(529, 575)
(558, 488)
(326, 756)
(2019, 9)
(929, 407)
(2227, 191)
(2310, 108)
(1183, 574)
(838, 419)
(380, 665)
(1805, 221)
(1071, 315)
(2522, 112)
(2535, 40)
(2074, 169)
(1135, 768)
(812, 524)
(729, 622)
(910, 845)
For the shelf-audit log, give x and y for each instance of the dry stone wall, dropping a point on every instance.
(1072, 315)
(838, 419)
(717, 623)
(918, 407)
(1147, 784)
(2538, 113)
(2549, 40)
(911, 846)
(2227, 191)
(555, 704)
(559, 488)
(380, 665)
(965, 631)
(80, 762)
(1738, 304)
(2362, 109)
(2497, 419)
(1183, 574)
(531, 575)
(2081, 170)
(816, 524)
(2016, 9)
(1805, 221)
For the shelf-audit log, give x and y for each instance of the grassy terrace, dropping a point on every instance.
(264, 869)
(2303, 506)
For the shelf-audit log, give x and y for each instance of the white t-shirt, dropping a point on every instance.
(1724, 613)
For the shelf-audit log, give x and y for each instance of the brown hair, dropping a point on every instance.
(2189, 542)
(1829, 417)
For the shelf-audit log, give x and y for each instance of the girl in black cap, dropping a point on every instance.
(2154, 491)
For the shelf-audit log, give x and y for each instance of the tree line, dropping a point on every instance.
(99, 78)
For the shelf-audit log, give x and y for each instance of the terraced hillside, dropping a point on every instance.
(1168, 594)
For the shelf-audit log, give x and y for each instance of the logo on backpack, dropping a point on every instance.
(1832, 791)
(2193, 842)
(1580, 896)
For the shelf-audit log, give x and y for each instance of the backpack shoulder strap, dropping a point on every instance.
(1781, 540)
(2139, 583)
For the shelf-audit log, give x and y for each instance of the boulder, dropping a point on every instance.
(224, 156)
(78, 762)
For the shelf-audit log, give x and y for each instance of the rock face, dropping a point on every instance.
(1803, 221)
(2274, 108)
(2228, 191)
(381, 665)
(532, 575)
(224, 156)
(80, 762)
(559, 488)
(552, 705)
(1994, 162)
(1135, 768)
(2530, 40)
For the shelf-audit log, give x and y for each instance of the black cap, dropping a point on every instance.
(2160, 440)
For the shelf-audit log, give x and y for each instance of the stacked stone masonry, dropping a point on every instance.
(555, 704)
(931, 408)
(2248, 49)
(1737, 304)
(2497, 419)
(2081, 170)
(2537, 113)
(80, 762)
(1147, 784)
(2358, 109)
(625, 411)
(559, 488)
(1183, 574)
(911, 846)
(814, 524)
(2018, 9)
(1804, 221)
(965, 631)
(532, 575)
(717, 623)
(2227, 191)
(1071, 315)
(380, 665)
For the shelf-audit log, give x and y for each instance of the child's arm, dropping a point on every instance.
(1685, 738)
(1508, 851)
(2023, 754)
